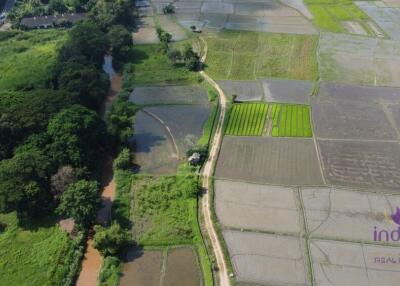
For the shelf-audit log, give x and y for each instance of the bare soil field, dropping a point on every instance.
(145, 31)
(142, 268)
(289, 91)
(150, 95)
(257, 207)
(267, 259)
(357, 93)
(182, 268)
(269, 90)
(371, 164)
(388, 18)
(169, 24)
(359, 60)
(347, 214)
(254, 15)
(281, 161)
(345, 119)
(246, 90)
(350, 264)
(163, 134)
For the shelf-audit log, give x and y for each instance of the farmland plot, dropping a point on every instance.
(351, 264)
(338, 16)
(282, 161)
(257, 207)
(347, 215)
(182, 268)
(269, 90)
(361, 163)
(142, 268)
(163, 135)
(388, 18)
(287, 91)
(267, 259)
(145, 31)
(253, 15)
(150, 95)
(359, 60)
(256, 119)
(177, 266)
(245, 90)
(247, 119)
(250, 55)
(345, 119)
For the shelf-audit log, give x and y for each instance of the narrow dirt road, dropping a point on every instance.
(207, 180)
(91, 262)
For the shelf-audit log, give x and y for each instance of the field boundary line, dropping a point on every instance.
(166, 128)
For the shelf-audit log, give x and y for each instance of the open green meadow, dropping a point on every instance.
(36, 254)
(329, 14)
(150, 66)
(274, 119)
(27, 58)
(251, 55)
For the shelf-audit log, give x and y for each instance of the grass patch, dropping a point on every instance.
(27, 58)
(36, 254)
(328, 14)
(247, 119)
(149, 66)
(163, 207)
(239, 55)
(164, 214)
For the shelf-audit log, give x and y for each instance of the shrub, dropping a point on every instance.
(124, 160)
(109, 241)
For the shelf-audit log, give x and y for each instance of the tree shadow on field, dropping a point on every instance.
(144, 142)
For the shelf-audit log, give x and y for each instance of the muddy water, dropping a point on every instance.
(91, 262)
(142, 268)
(182, 268)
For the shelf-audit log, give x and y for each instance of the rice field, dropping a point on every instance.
(274, 119)
(247, 119)
(290, 120)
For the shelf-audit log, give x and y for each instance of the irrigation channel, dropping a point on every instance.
(92, 260)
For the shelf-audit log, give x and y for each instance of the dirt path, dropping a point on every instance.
(91, 262)
(207, 174)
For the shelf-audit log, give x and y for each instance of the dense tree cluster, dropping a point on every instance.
(51, 139)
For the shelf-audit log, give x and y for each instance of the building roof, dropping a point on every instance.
(40, 21)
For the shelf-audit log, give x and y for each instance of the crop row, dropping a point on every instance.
(291, 120)
(247, 119)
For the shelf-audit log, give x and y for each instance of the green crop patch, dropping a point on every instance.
(247, 119)
(290, 120)
(330, 15)
(269, 119)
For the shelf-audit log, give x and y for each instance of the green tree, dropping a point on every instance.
(57, 6)
(120, 40)
(23, 113)
(120, 120)
(89, 83)
(23, 181)
(80, 201)
(86, 39)
(77, 133)
(109, 241)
